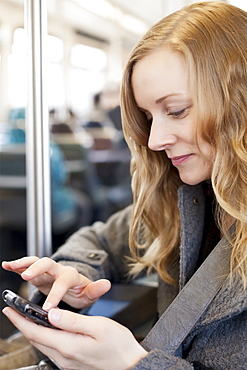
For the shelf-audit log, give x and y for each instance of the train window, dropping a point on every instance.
(88, 57)
(17, 70)
(55, 73)
(54, 49)
(88, 76)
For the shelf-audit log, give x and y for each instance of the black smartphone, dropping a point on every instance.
(27, 308)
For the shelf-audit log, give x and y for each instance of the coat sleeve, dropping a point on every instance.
(97, 251)
(100, 250)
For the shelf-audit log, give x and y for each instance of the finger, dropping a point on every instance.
(31, 330)
(41, 266)
(70, 321)
(51, 342)
(42, 338)
(76, 323)
(66, 278)
(19, 265)
(79, 287)
(96, 289)
(53, 354)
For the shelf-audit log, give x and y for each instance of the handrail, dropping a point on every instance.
(37, 139)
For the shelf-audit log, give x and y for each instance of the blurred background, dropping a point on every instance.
(87, 46)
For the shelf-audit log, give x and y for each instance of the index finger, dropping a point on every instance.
(20, 265)
(82, 293)
(69, 278)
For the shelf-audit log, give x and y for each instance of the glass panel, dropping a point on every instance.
(56, 88)
(88, 57)
(17, 71)
(13, 98)
(86, 127)
(86, 51)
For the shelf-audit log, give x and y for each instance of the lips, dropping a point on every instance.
(177, 161)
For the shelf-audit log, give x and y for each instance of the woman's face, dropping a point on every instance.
(161, 88)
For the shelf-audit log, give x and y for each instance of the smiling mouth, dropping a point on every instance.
(177, 161)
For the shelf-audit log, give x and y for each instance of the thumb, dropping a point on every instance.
(96, 289)
(74, 322)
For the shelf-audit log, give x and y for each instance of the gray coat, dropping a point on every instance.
(219, 339)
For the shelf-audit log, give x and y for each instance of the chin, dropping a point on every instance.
(193, 181)
(190, 180)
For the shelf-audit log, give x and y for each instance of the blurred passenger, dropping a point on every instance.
(72, 120)
(53, 116)
(70, 208)
(16, 136)
(115, 116)
(61, 128)
(98, 117)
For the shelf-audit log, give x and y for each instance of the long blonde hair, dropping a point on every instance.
(212, 38)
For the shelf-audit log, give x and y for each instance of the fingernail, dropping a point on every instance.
(54, 315)
(47, 306)
(5, 311)
(15, 262)
(27, 272)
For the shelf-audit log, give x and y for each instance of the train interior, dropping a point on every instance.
(87, 46)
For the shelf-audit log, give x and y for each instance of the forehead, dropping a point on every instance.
(162, 72)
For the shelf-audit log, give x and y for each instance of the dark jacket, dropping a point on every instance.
(219, 339)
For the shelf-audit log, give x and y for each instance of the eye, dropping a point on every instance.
(178, 114)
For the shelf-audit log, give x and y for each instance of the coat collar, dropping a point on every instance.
(232, 298)
(191, 205)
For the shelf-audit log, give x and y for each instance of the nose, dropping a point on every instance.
(160, 137)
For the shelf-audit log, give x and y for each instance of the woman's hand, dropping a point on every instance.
(85, 342)
(58, 282)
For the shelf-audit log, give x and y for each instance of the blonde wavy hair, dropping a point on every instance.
(212, 38)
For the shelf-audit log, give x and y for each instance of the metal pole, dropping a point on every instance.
(37, 128)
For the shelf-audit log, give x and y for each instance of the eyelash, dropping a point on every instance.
(182, 113)
(177, 114)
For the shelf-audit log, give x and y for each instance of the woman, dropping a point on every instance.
(184, 117)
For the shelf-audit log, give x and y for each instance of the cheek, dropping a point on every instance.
(207, 161)
(209, 154)
(207, 151)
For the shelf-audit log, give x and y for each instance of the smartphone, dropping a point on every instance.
(27, 308)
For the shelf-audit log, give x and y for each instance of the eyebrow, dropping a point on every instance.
(160, 100)
(167, 96)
